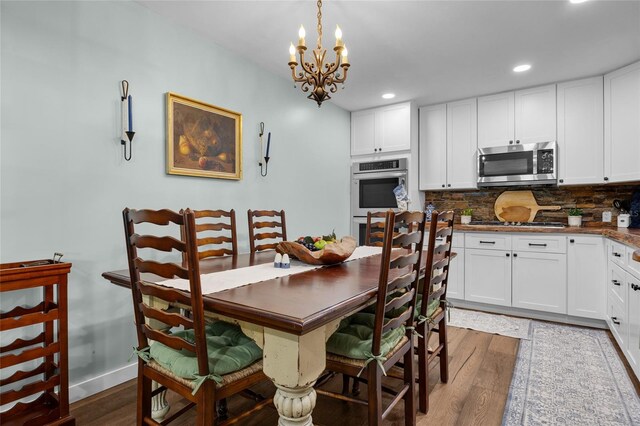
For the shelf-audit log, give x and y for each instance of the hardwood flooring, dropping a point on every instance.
(480, 367)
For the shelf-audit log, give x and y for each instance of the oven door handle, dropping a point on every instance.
(367, 176)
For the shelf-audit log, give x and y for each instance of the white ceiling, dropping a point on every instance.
(428, 51)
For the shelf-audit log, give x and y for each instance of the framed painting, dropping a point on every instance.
(203, 140)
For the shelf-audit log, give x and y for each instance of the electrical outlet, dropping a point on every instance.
(606, 216)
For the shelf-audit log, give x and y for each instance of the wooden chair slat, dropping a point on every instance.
(158, 243)
(174, 342)
(440, 264)
(30, 389)
(444, 232)
(214, 253)
(436, 294)
(169, 318)
(262, 247)
(211, 213)
(404, 260)
(268, 213)
(409, 217)
(213, 240)
(259, 225)
(402, 281)
(168, 294)
(165, 270)
(437, 279)
(398, 321)
(398, 301)
(157, 217)
(203, 227)
(268, 235)
(405, 240)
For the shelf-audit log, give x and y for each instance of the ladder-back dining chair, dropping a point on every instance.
(374, 233)
(432, 303)
(372, 343)
(216, 233)
(272, 228)
(202, 362)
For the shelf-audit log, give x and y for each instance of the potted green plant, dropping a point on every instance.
(465, 216)
(575, 217)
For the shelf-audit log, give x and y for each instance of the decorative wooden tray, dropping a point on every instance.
(329, 255)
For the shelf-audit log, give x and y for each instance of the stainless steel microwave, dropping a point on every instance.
(525, 164)
(373, 184)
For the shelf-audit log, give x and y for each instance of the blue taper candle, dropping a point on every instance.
(268, 143)
(130, 114)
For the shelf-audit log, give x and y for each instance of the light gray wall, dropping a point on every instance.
(64, 182)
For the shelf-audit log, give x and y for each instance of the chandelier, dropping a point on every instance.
(318, 77)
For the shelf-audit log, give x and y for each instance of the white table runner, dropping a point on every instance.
(232, 278)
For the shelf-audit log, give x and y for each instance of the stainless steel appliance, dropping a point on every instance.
(373, 183)
(526, 164)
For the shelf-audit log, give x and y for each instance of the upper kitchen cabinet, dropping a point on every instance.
(496, 122)
(381, 130)
(448, 145)
(525, 116)
(622, 124)
(433, 147)
(580, 132)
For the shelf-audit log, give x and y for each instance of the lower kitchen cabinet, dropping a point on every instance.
(488, 276)
(455, 283)
(633, 350)
(586, 269)
(540, 281)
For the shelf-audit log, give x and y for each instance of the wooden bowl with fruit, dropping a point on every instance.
(325, 250)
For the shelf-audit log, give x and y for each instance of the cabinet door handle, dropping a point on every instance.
(537, 244)
(487, 242)
(616, 254)
(606, 178)
(615, 320)
(615, 282)
(449, 185)
(561, 180)
(515, 254)
(635, 287)
(375, 149)
(443, 185)
(379, 149)
(510, 142)
(517, 141)
(572, 241)
(508, 255)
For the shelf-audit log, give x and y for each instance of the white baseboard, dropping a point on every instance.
(103, 382)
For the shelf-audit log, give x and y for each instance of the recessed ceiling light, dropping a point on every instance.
(577, 1)
(522, 68)
(388, 96)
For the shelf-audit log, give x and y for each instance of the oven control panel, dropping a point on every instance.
(380, 166)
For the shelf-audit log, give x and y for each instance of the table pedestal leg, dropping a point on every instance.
(294, 363)
(159, 405)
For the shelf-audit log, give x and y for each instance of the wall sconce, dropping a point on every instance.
(264, 157)
(126, 104)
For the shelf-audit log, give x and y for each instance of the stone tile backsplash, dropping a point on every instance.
(593, 200)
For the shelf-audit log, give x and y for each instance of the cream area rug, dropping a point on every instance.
(490, 323)
(570, 376)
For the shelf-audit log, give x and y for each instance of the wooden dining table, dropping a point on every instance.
(290, 318)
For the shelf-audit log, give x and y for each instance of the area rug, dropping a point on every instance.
(570, 376)
(490, 323)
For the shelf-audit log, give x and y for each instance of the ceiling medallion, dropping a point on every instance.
(318, 77)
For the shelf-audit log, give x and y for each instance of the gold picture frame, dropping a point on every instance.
(202, 139)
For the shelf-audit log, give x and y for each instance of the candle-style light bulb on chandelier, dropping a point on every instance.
(319, 77)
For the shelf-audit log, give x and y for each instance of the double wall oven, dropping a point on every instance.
(372, 189)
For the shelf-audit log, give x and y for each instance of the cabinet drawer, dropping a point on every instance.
(617, 320)
(617, 284)
(540, 243)
(488, 241)
(633, 265)
(616, 253)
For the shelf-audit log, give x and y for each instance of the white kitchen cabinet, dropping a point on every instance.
(535, 114)
(622, 124)
(633, 349)
(433, 147)
(455, 289)
(580, 132)
(381, 130)
(585, 274)
(448, 144)
(524, 116)
(496, 120)
(462, 144)
(488, 276)
(540, 281)
(363, 132)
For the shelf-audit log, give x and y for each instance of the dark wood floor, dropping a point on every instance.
(481, 367)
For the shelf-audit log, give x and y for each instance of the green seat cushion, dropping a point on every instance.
(354, 337)
(430, 309)
(229, 350)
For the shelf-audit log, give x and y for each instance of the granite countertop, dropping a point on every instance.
(623, 235)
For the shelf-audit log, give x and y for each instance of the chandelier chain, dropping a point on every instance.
(319, 24)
